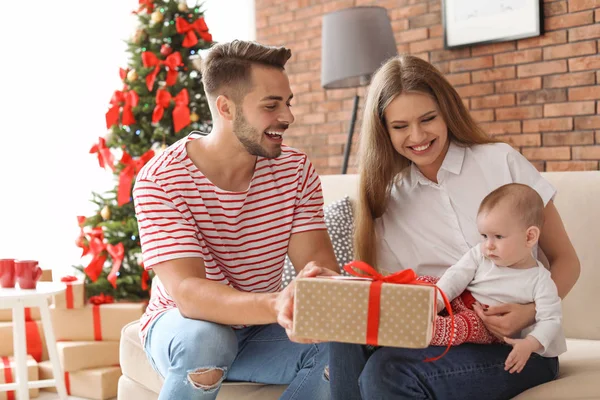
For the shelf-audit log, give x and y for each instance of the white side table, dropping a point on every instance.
(18, 299)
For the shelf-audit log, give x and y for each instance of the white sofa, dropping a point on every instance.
(578, 202)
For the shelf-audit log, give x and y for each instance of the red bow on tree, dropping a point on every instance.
(105, 157)
(198, 25)
(181, 112)
(145, 277)
(96, 248)
(172, 61)
(147, 4)
(123, 73)
(130, 169)
(80, 242)
(101, 299)
(117, 253)
(127, 100)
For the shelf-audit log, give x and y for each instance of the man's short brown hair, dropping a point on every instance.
(226, 68)
(523, 200)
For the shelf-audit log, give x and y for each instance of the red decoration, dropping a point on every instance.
(188, 29)
(96, 248)
(117, 253)
(145, 278)
(181, 112)
(126, 100)
(101, 299)
(165, 49)
(132, 167)
(407, 277)
(105, 157)
(173, 61)
(145, 4)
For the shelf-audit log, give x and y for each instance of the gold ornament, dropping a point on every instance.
(137, 37)
(105, 213)
(132, 75)
(194, 117)
(182, 6)
(157, 17)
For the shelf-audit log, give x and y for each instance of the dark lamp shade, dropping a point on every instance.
(355, 42)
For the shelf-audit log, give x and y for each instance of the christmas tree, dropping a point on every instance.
(161, 101)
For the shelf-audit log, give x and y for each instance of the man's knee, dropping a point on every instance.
(206, 378)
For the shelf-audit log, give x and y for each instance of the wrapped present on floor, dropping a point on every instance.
(31, 314)
(9, 375)
(94, 321)
(73, 296)
(75, 356)
(36, 341)
(96, 383)
(366, 311)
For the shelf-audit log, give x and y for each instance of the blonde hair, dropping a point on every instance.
(523, 200)
(226, 68)
(379, 162)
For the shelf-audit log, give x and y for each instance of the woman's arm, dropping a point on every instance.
(555, 243)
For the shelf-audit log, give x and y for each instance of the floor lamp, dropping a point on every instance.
(355, 42)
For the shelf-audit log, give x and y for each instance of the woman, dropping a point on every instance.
(425, 166)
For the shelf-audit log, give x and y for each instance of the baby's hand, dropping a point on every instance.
(522, 349)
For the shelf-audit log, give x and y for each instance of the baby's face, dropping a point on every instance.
(504, 236)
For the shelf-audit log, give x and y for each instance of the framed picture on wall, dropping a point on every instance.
(469, 22)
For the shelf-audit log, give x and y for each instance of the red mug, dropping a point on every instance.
(7, 273)
(28, 273)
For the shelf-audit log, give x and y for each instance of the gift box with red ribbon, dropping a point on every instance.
(8, 375)
(96, 383)
(31, 314)
(94, 322)
(73, 296)
(36, 341)
(75, 356)
(369, 308)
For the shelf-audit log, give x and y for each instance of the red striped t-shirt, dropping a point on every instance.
(242, 237)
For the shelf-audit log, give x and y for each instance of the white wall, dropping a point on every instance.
(59, 65)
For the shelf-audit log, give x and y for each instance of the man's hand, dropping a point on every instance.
(522, 349)
(506, 320)
(284, 305)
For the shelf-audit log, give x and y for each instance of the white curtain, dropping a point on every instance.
(59, 65)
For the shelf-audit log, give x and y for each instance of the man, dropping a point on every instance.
(217, 215)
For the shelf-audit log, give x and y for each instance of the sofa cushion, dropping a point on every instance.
(340, 223)
(143, 383)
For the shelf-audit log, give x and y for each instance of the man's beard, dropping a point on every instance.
(248, 137)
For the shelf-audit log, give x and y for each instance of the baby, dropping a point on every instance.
(502, 269)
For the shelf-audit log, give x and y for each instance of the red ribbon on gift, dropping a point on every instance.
(117, 253)
(105, 157)
(149, 59)
(406, 277)
(34, 340)
(188, 29)
(8, 378)
(67, 383)
(132, 167)
(97, 301)
(181, 112)
(125, 100)
(69, 279)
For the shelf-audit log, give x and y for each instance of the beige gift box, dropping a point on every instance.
(32, 375)
(31, 313)
(72, 297)
(75, 356)
(103, 322)
(97, 383)
(35, 339)
(330, 309)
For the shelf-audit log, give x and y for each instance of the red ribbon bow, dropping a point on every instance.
(198, 25)
(96, 248)
(117, 253)
(407, 277)
(80, 242)
(145, 277)
(101, 299)
(181, 112)
(68, 278)
(149, 59)
(147, 4)
(132, 167)
(105, 157)
(126, 100)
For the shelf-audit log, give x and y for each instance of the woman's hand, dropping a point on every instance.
(506, 320)
(285, 302)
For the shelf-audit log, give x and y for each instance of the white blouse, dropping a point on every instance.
(428, 226)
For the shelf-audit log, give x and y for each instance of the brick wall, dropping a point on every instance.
(542, 95)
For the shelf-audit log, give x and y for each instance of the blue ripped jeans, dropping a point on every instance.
(466, 372)
(177, 346)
